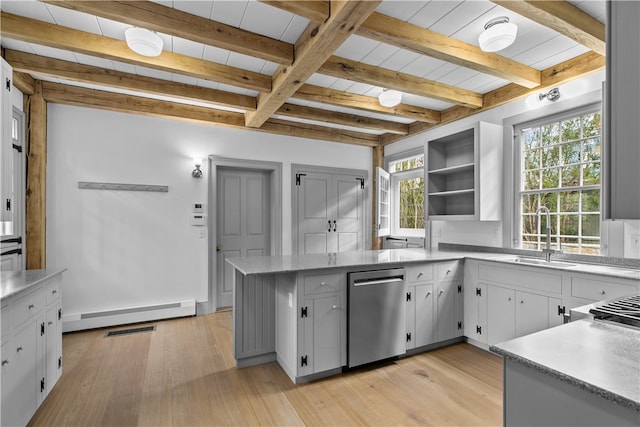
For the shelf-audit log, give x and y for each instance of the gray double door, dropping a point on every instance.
(330, 212)
(243, 222)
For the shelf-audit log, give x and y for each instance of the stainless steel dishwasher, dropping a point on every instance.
(377, 319)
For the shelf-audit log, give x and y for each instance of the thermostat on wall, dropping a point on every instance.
(197, 220)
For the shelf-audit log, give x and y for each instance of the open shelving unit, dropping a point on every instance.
(454, 187)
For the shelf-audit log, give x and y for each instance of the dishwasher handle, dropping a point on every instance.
(378, 281)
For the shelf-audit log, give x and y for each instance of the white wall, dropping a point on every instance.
(491, 233)
(125, 249)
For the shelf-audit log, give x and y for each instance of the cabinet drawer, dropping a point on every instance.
(597, 290)
(419, 273)
(52, 291)
(449, 270)
(522, 277)
(28, 306)
(322, 283)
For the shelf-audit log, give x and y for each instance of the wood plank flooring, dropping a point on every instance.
(183, 374)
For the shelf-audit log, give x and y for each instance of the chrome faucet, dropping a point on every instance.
(547, 251)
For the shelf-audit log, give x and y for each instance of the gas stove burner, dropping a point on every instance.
(624, 310)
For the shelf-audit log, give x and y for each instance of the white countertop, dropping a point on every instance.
(13, 282)
(292, 263)
(388, 257)
(596, 356)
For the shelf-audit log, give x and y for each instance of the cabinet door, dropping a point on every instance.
(411, 317)
(531, 313)
(8, 386)
(26, 388)
(322, 339)
(446, 325)
(501, 314)
(425, 316)
(53, 347)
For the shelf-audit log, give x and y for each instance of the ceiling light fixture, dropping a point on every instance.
(389, 98)
(143, 42)
(553, 95)
(498, 34)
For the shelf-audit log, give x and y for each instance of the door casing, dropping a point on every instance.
(275, 171)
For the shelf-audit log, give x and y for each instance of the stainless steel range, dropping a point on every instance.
(625, 310)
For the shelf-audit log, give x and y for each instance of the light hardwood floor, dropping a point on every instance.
(183, 373)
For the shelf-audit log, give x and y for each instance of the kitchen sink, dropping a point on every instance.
(538, 261)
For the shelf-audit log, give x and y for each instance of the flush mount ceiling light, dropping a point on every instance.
(498, 34)
(143, 42)
(389, 98)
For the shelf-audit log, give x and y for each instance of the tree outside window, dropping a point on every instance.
(561, 169)
(408, 177)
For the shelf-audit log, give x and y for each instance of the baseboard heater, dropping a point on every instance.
(123, 316)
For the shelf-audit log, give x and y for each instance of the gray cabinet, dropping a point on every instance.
(449, 300)
(420, 311)
(464, 174)
(622, 109)
(475, 303)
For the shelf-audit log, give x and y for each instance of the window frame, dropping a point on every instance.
(518, 187)
(394, 187)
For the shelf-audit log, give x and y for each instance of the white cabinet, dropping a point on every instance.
(475, 303)
(31, 350)
(532, 313)
(311, 323)
(449, 301)
(7, 204)
(420, 299)
(501, 314)
(464, 173)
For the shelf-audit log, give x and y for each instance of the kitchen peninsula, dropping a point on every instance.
(293, 309)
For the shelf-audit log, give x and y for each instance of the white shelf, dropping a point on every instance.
(453, 169)
(452, 192)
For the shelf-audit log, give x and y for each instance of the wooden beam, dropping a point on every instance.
(360, 72)
(365, 103)
(313, 48)
(563, 17)
(553, 76)
(316, 11)
(33, 31)
(395, 32)
(36, 155)
(23, 82)
(345, 119)
(44, 66)
(73, 95)
(167, 20)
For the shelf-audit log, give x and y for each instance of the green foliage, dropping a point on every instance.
(562, 158)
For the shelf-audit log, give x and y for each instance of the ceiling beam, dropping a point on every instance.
(339, 98)
(313, 48)
(345, 119)
(316, 11)
(44, 66)
(57, 36)
(563, 17)
(91, 98)
(23, 82)
(396, 32)
(556, 75)
(174, 22)
(360, 72)
(392, 31)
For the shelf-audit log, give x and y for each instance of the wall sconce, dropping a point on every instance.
(197, 173)
(553, 95)
(537, 99)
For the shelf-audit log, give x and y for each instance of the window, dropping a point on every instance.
(401, 197)
(560, 169)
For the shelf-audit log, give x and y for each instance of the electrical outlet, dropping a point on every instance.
(202, 233)
(437, 232)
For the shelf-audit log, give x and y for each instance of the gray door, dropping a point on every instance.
(330, 213)
(243, 222)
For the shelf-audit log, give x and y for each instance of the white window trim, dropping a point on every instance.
(517, 166)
